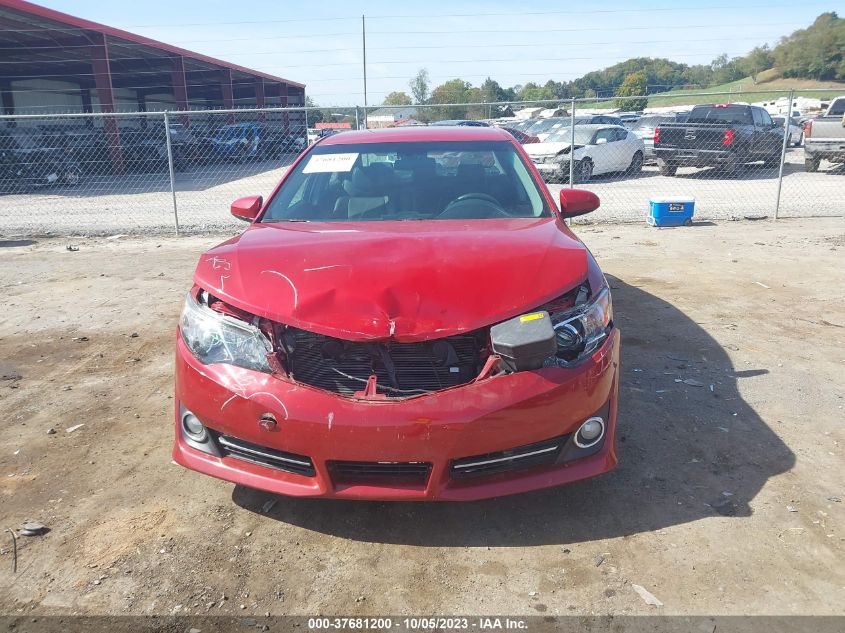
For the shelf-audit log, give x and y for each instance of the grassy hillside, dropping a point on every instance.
(746, 90)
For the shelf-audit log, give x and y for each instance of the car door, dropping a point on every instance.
(628, 146)
(771, 137)
(603, 151)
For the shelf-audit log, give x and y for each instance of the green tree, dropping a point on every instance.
(633, 85)
(397, 98)
(817, 52)
(759, 59)
(313, 116)
(452, 95)
(419, 86)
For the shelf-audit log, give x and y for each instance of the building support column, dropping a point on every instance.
(228, 93)
(7, 101)
(283, 102)
(260, 98)
(105, 93)
(180, 88)
(85, 97)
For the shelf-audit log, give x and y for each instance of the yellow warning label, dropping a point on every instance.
(531, 317)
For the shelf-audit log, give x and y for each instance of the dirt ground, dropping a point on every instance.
(728, 498)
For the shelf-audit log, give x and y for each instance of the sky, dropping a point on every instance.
(320, 44)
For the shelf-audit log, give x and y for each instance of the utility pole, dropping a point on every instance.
(364, 48)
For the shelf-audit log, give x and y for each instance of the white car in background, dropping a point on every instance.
(599, 149)
(795, 130)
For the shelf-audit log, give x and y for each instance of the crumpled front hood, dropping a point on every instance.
(408, 280)
(547, 149)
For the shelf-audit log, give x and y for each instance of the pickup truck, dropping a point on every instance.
(824, 137)
(726, 136)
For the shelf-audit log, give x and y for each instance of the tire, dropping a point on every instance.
(584, 170)
(72, 176)
(735, 168)
(666, 168)
(636, 165)
(772, 161)
(800, 140)
(811, 164)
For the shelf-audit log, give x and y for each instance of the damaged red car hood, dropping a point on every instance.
(411, 280)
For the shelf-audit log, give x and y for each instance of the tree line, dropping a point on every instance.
(817, 52)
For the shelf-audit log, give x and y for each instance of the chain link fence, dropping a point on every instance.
(179, 171)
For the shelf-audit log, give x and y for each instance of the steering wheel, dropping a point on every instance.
(472, 206)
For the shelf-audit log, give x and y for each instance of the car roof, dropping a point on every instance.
(419, 133)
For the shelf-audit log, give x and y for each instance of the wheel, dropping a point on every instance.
(735, 168)
(636, 165)
(772, 161)
(811, 164)
(584, 170)
(666, 168)
(72, 176)
(800, 140)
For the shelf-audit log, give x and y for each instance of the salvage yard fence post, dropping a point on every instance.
(572, 144)
(787, 118)
(171, 169)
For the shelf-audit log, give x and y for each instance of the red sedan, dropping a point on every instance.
(406, 317)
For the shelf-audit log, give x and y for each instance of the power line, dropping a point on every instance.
(703, 7)
(357, 49)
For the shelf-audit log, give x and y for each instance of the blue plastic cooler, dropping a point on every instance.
(670, 211)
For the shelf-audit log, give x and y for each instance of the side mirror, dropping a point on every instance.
(247, 208)
(601, 141)
(575, 202)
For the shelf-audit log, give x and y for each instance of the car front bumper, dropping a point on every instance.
(483, 421)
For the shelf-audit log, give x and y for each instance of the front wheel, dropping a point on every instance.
(812, 164)
(584, 170)
(636, 165)
(72, 175)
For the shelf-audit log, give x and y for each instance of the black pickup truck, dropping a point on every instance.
(725, 136)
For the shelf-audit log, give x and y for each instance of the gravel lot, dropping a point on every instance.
(143, 203)
(727, 500)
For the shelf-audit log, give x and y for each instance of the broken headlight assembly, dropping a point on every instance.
(581, 329)
(214, 337)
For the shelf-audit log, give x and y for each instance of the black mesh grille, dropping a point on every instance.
(528, 456)
(263, 456)
(416, 472)
(401, 369)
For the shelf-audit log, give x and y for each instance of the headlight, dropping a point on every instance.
(581, 330)
(217, 338)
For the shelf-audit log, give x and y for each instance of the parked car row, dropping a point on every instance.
(59, 154)
(26, 164)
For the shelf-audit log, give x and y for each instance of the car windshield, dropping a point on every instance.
(720, 114)
(229, 133)
(544, 125)
(650, 122)
(521, 126)
(837, 108)
(564, 135)
(408, 181)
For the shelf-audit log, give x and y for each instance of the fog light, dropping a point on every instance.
(590, 433)
(193, 428)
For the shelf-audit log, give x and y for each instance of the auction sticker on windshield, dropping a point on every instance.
(319, 163)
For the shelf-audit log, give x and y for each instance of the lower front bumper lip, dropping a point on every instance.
(477, 419)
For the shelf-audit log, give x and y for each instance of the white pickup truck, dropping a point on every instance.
(824, 137)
